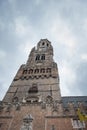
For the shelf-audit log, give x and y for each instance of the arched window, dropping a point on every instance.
(43, 43)
(42, 70)
(43, 57)
(40, 57)
(30, 71)
(36, 71)
(37, 57)
(48, 70)
(25, 72)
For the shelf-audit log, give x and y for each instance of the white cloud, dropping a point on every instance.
(2, 54)
(85, 26)
(2, 25)
(84, 57)
(22, 27)
(67, 78)
(63, 34)
(26, 47)
(11, 1)
(24, 30)
(68, 73)
(38, 2)
(3, 88)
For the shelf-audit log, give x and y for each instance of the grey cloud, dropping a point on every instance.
(81, 82)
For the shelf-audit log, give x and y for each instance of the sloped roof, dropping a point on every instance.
(75, 100)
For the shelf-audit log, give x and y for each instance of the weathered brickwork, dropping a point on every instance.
(33, 100)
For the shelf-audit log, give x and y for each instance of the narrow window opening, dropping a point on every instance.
(42, 70)
(30, 71)
(48, 70)
(47, 44)
(25, 72)
(36, 71)
(37, 57)
(43, 44)
(43, 57)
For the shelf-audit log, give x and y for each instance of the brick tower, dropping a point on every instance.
(33, 100)
(38, 79)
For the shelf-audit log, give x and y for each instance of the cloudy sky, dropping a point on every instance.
(63, 22)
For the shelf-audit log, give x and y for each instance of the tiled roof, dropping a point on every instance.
(75, 100)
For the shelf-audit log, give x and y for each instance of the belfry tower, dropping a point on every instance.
(33, 100)
(38, 79)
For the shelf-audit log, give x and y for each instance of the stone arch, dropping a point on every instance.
(24, 71)
(30, 71)
(48, 70)
(36, 71)
(42, 70)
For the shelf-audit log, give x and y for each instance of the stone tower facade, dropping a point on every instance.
(33, 100)
(38, 79)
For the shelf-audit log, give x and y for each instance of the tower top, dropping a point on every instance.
(44, 45)
(41, 54)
